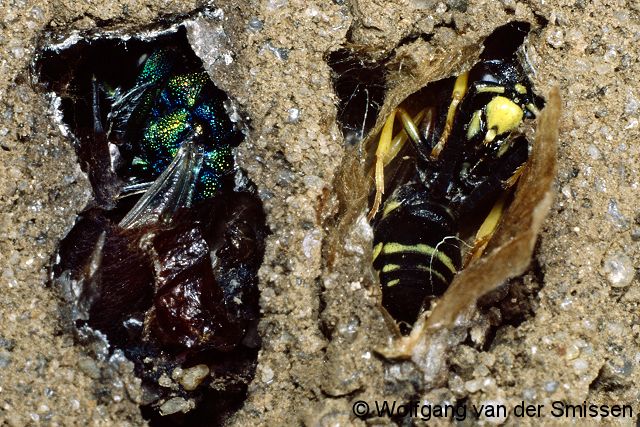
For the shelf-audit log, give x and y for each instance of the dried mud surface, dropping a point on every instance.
(320, 326)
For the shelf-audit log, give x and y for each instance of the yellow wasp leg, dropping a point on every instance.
(459, 90)
(381, 150)
(490, 224)
(486, 230)
(533, 109)
(514, 178)
(398, 142)
(389, 148)
(410, 125)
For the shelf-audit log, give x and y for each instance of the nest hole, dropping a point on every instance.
(184, 383)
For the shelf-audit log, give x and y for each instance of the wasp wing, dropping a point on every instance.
(172, 190)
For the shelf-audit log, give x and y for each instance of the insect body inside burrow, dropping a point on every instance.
(163, 262)
(166, 107)
(445, 162)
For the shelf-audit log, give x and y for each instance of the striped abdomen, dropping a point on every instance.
(415, 252)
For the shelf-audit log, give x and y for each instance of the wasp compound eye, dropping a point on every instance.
(165, 257)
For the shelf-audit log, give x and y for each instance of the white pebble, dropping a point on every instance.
(267, 375)
(580, 365)
(619, 270)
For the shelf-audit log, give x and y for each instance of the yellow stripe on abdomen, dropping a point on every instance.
(376, 251)
(420, 248)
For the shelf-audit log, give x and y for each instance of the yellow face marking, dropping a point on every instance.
(474, 125)
(390, 267)
(389, 207)
(521, 89)
(376, 250)
(393, 282)
(503, 115)
(394, 248)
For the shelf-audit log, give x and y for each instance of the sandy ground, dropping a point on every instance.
(320, 326)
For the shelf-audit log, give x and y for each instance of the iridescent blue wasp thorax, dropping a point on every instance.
(167, 107)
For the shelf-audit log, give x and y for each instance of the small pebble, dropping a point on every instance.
(89, 367)
(192, 377)
(276, 4)
(165, 381)
(580, 365)
(550, 386)
(594, 152)
(615, 214)
(572, 352)
(481, 371)
(5, 358)
(500, 416)
(294, 115)
(632, 105)
(487, 359)
(267, 375)
(473, 385)
(529, 394)
(349, 329)
(255, 24)
(176, 404)
(456, 385)
(619, 270)
(555, 38)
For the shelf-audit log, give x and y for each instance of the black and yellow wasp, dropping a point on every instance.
(467, 153)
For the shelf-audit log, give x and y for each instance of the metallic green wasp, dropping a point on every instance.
(166, 255)
(172, 132)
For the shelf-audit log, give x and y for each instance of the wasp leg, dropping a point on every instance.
(459, 90)
(410, 130)
(95, 107)
(505, 177)
(383, 147)
(410, 126)
(389, 148)
(486, 230)
(100, 158)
